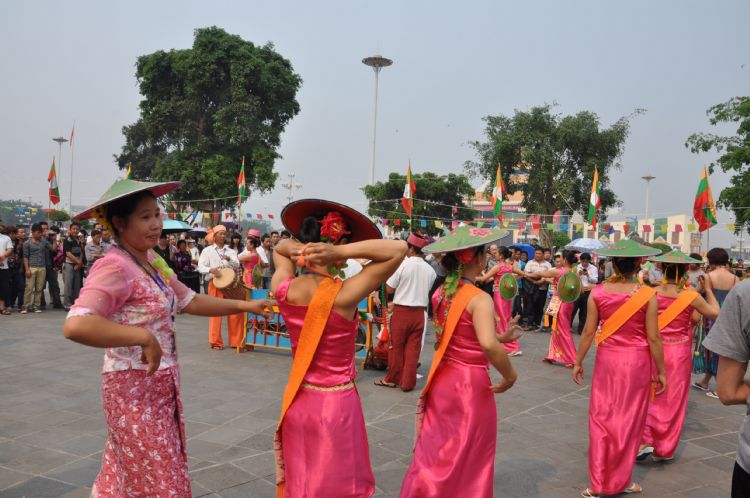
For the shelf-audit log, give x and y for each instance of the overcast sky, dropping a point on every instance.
(454, 62)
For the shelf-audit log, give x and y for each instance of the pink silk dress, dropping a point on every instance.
(562, 349)
(620, 391)
(454, 454)
(504, 308)
(145, 452)
(325, 449)
(248, 266)
(666, 413)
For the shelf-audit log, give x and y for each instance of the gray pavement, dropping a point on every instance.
(52, 429)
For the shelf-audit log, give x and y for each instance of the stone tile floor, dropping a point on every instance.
(52, 429)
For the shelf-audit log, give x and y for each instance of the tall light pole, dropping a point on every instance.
(291, 186)
(60, 140)
(376, 62)
(648, 177)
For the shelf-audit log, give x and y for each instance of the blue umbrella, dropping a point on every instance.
(586, 245)
(528, 249)
(174, 226)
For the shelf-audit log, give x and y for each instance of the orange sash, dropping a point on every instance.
(465, 294)
(623, 313)
(316, 318)
(684, 300)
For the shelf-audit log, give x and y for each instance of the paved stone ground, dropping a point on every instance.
(52, 429)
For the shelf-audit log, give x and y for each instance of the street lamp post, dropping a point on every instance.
(376, 62)
(60, 140)
(291, 186)
(648, 177)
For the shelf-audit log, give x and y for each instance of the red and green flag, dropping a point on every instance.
(595, 201)
(409, 189)
(54, 190)
(241, 184)
(497, 195)
(704, 209)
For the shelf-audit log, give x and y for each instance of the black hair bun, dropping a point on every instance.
(310, 230)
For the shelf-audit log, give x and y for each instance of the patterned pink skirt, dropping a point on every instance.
(145, 454)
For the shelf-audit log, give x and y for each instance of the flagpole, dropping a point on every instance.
(72, 162)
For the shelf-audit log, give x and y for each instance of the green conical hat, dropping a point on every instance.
(676, 256)
(507, 286)
(627, 248)
(569, 287)
(465, 237)
(124, 188)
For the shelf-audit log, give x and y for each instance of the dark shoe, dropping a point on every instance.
(58, 307)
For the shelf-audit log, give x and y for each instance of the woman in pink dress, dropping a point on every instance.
(623, 316)
(562, 349)
(128, 306)
(321, 441)
(677, 305)
(250, 257)
(503, 307)
(454, 453)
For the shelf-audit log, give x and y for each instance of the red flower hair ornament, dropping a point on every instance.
(333, 227)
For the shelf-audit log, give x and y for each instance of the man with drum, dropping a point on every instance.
(212, 260)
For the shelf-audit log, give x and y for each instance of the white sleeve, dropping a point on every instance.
(233, 261)
(394, 279)
(204, 262)
(262, 254)
(593, 275)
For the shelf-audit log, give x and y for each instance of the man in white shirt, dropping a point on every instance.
(589, 275)
(265, 253)
(212, 259)
(411, 283)
(537, 290)
(6, 249)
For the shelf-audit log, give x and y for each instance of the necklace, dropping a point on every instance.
(467, 279)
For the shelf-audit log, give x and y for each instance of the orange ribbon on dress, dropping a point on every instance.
(465, 294)
(316, 318)
(684, 300)
(624, 313)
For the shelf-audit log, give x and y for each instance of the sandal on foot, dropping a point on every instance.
(587, 493)
(216, 346)
(6, 311)
(698, 386)
(383, 383)
(643, 453)
(712, 394)
(633, 488)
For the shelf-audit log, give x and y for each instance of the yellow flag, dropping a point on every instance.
(438, 224)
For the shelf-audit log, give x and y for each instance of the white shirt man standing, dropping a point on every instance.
(589, 275)
(411, 283)
(212, 259)
(537, 290)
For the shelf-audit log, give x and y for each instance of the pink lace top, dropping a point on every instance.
(119, 290)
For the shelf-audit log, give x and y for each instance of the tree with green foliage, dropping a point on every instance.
(434, 199)
(58, 216)
(734, 155)
(206, 107)
(559, 239)
(551, 158)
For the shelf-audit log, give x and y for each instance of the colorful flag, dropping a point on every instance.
(409, 189)
(594, 202)
(704, 209)
(54, 191)
(241, 185)
(129, 172)
(497, 195)
(72, 132)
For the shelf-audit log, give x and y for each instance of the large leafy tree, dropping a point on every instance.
(435, 198)
(206, 107)
(551, 158)
(734, 155)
